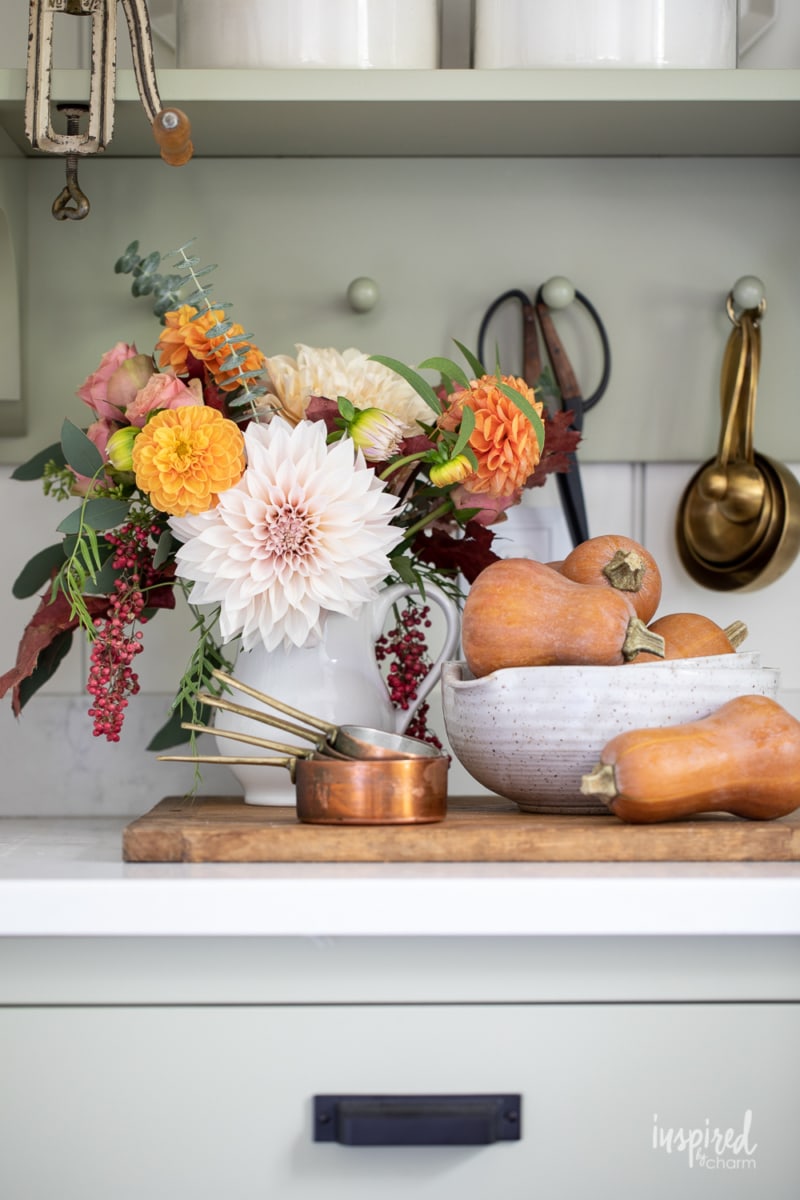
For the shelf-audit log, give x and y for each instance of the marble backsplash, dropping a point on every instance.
(52, 765)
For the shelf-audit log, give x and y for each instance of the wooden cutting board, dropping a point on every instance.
(485, 829)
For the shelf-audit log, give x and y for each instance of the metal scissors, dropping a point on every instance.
(556, 293)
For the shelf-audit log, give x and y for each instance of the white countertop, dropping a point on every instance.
(66, 877)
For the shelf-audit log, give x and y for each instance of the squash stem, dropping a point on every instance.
(601, 782)
(625, 571)
(736, 632)
(639, 638)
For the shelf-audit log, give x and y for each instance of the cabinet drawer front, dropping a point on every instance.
(617, 1100)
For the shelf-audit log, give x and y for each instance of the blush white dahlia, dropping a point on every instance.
(332, 374)
(306, 531)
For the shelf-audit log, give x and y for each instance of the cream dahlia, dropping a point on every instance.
(305, 531)
(332, 374)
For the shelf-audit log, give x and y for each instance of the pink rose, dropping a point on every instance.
(98, 432)
(163, 391)
(128, 379)
(492, 508)
(93, 391)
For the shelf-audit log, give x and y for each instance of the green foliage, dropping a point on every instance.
(167, 291)
(198, 676)
(98, 514)
(38, 571)
(58, 482)
(36, 467)
(420, 385)
(80, 453)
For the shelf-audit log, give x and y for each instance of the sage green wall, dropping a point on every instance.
(655, 243)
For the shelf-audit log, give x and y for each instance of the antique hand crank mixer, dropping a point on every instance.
(170, 126)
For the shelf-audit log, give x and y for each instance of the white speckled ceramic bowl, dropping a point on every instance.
(530, 733)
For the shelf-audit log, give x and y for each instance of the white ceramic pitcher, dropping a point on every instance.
(337, 679)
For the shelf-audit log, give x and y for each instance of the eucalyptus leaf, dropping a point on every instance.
(143, 285)
(34, 467)
(101, 582)
(37, 571)
(465, 430)
(446, 367)
(127, 261)
(80, 453)
(170, 734)
(103, 513)
(420, 385)
(527, 409)
(163, 548)
(149, 264)
(220, 329)
(475, 365)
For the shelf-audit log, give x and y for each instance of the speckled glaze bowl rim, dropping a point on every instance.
(456, 674)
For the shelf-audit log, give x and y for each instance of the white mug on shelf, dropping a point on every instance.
(605, 33)
(308, 33)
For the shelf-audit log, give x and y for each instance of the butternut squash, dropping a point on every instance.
(691, 635)
(522, 613)
(743, 759)
(614, 561)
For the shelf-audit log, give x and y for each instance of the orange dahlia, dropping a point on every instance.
(186, 334)
(503, 440)
(185, 456)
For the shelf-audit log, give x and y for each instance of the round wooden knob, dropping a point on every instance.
(362, 294)
(558, 292)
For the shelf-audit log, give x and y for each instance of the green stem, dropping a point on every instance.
(402, 462)
(445, 507)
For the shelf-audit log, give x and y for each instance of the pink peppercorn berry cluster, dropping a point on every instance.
(117, 640)
(406, 651)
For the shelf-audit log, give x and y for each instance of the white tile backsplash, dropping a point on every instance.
(52, 765)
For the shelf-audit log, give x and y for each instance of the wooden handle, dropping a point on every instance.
(173, 132)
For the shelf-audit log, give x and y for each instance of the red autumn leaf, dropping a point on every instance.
(468, 554)
(560, 442)
(50, 622)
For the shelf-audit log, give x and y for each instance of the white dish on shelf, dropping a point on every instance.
(605, 33)
(308, 33)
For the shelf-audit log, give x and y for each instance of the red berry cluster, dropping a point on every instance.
(406, 651)
(117, 640)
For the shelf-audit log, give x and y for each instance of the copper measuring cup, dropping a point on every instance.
(332, 791)
(352, 741)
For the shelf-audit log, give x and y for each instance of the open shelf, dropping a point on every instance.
(344, 113)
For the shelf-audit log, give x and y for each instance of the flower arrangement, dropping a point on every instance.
(271, 491)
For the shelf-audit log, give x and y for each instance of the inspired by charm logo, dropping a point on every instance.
(707, 1147)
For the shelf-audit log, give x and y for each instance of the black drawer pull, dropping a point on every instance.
(417, 1120)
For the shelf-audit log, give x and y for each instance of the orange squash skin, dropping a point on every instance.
(522, 613)
(688, 635)
(743, 759)
(587, 562)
